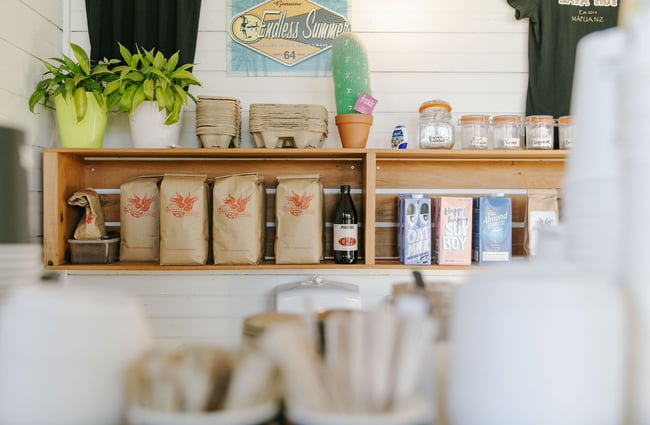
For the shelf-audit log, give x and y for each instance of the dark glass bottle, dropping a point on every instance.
(346, 229)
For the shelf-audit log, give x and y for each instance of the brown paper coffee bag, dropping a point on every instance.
(541, 210)
(91, 226)
(238, 219)
(140, 219)
(299, 220)
(183, 220)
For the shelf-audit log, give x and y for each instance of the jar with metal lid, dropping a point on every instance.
(506, 132)
(474, 131)
(566, 131)
(436, 130)
(539, 132)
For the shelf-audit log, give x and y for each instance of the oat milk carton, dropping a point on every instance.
(414, 229)
(452, 243)
(492, 234)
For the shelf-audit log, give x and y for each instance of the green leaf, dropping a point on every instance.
(161, 98)
(38, 94)
(80, 103)
(82, 58)
(127, 99)
(138, 98)
(181, 94)
(172, 62)
(148, 89)
(126, 54)
(68, 87)
(159, 61)
(112, 100)
(50, 68)
(175, 114)
(112, 87)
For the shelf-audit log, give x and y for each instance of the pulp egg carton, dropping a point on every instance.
(218, 121)
(288, 126)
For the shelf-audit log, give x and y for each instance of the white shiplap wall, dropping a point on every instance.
(29, 29)
(471, 53)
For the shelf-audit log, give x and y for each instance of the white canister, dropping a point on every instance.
(537, 343)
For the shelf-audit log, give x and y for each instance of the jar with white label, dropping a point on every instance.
(566, 131)
(507, 132)
(474, 131)
(539, 132)
(436, 130)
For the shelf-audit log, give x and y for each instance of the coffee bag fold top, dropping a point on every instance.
(184, 218)
(238, 219)
(140, 219)
(91, 226)
(299, 219)
(541, 210)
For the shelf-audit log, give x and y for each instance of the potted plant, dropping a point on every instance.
(80, 102)
(351, 79)
(153, 89)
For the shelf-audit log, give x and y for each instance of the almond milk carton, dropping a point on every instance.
(453, 230)
(414, 229)
(492, 235)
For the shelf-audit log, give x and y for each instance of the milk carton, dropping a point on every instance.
(452, 243)
(492, 235)
(414, 229)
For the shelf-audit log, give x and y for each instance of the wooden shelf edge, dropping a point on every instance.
(383, 154)
(154, 267)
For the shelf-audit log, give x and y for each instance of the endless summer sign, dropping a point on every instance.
(288, 31)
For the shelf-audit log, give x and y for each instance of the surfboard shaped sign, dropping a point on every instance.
(288, 31)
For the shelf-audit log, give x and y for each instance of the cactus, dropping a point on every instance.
(350, 72)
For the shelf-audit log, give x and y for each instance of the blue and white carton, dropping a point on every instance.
(492, 229)
(414, 229)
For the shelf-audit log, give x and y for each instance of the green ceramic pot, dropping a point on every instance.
(87, 133)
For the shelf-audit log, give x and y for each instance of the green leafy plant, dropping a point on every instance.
(149, 75)
(73, 79)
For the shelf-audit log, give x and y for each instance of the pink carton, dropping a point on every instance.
(452, 244)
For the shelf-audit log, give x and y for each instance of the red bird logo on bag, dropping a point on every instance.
(232, 207)
(137, 206)
(180, 206)
(297, 204)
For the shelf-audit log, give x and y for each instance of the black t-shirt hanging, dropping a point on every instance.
(555, 27)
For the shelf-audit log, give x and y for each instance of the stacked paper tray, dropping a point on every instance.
(292, 126)
(218, 121)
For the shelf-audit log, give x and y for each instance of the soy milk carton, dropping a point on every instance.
(414, 229)
(452, 243)
(492, 235)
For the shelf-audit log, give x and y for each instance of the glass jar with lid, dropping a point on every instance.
(566, 131)
(474, 131)
(539, 132)
(507, 132)
(436, 130)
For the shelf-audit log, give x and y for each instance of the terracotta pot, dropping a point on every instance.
(354, 129)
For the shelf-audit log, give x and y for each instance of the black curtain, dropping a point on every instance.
(167, 25)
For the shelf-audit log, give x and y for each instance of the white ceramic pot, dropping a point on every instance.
(148, 128)
(537, 343)
(64, 353)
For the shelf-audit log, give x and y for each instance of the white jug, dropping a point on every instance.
(64, 354)
(537, 343)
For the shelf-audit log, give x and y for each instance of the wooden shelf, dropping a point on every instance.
(375, 175)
